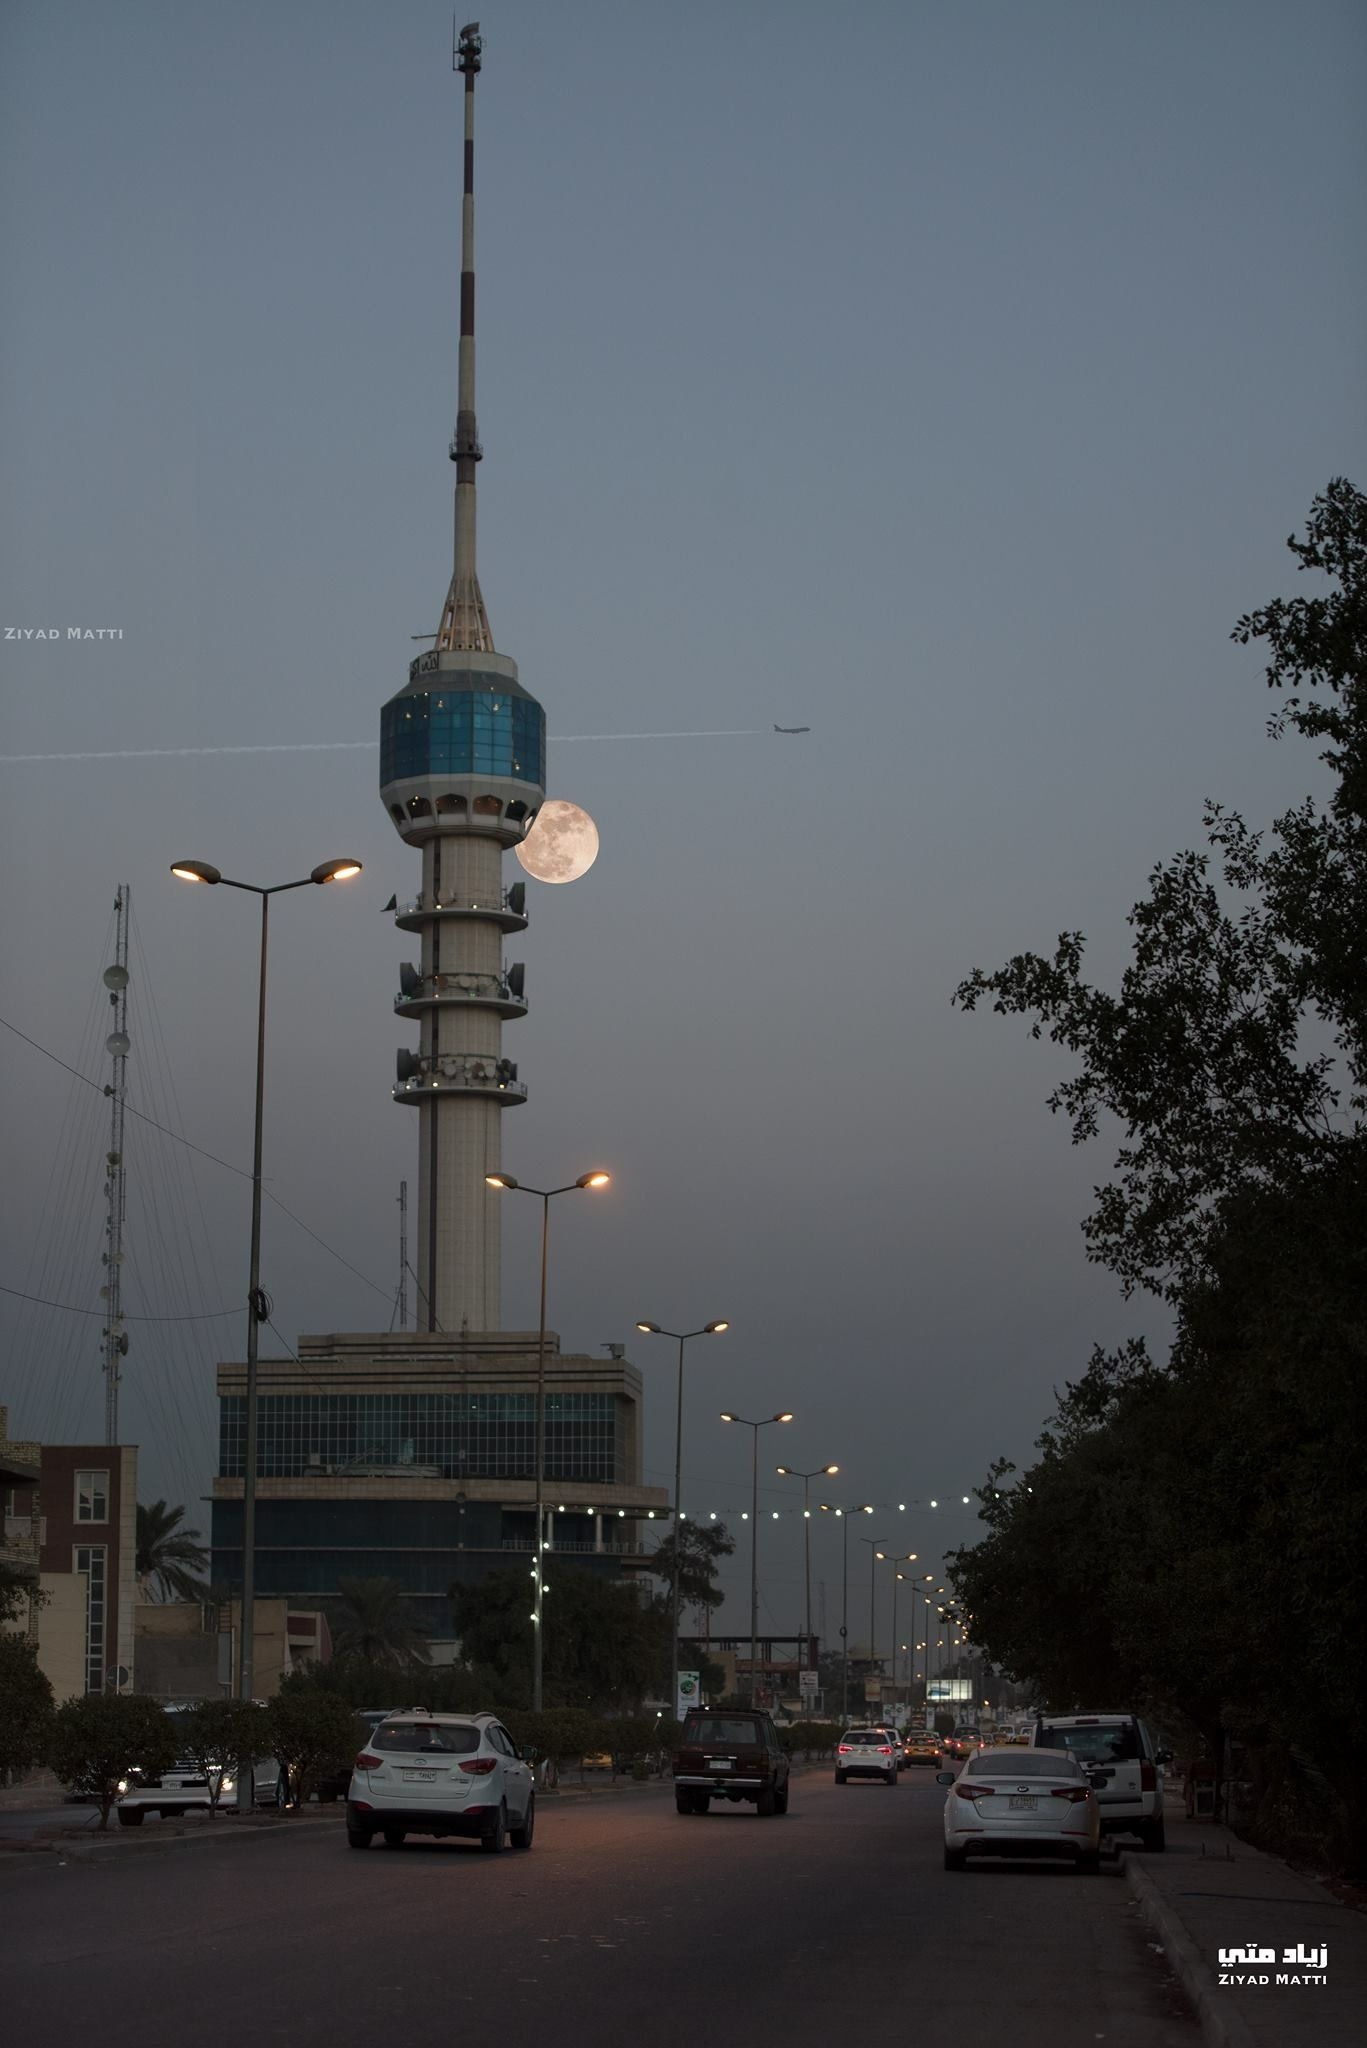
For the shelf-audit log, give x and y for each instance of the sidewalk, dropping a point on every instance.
(1211, 1891)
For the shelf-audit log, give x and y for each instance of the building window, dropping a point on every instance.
(92, 1558)
(92, 1496)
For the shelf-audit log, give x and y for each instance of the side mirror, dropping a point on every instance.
(1163, 1756)
(944, 1777)
(527, 1753)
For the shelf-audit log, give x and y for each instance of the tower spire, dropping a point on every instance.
(464, 621)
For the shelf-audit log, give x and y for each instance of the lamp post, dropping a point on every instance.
(258, 1308)
(754, 1428)
(682, 1337)
(509, 1185)
(907, 1557)
(874, 1554)
(829, 1508)
(821, 1471)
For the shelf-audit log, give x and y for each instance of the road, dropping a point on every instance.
(624, 1922)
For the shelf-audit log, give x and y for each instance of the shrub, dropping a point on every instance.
(99, 1738)
(221, 1735)
(312, 1734)
(25, 1706)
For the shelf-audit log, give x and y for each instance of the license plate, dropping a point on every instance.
(1022, 1802)
(721, 1763)
(421, 1777)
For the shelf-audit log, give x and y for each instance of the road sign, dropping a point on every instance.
(809, 1682)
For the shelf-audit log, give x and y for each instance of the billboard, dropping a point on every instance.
(950, 1689)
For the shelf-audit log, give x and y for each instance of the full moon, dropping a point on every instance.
(562, 845)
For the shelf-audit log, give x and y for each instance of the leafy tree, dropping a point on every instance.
(170, 1560)
(313, 1735)
(1215, 1057)
(223, 1735)
(1195, 1532)
(99, 1737)
(699, 1549)
(602, 1648)
(375, 1625)
(25, 1706)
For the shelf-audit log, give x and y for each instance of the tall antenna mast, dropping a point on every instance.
(116, 1045)
(464, 621)
(403, 1254)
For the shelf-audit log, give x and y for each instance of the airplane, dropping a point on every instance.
(792, 728)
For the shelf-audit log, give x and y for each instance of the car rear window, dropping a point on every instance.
(412, 1736)
(1032, 1763)
(1117, 1743)
(874, 1738)
(719, 1729)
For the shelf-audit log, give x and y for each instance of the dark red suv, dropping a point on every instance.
(728, 1753)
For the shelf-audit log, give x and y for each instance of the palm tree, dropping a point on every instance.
(375, 1626)
(170, 1560)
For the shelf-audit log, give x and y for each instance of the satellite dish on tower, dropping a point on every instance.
(410, 981)
(405, 1065)
(118, 1043)
(116, 977)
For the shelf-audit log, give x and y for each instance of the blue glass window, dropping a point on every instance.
(462, 732)
(476, 1436)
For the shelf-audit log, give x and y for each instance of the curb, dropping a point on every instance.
(97, 1848)
(1221, 2025)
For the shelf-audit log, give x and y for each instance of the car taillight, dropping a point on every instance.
(480, 1766)
(884, 1750)
(845, 1748)
(366, 1762)
(1148, 1778)
(1073, 1792)
(974, 1791)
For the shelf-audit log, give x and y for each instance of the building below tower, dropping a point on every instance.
(411, 1456)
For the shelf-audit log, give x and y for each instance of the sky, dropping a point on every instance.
(947, 380)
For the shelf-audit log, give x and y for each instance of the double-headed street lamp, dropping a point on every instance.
(754, 1428)
(875, 1552)
(829, 1508)
(508, 1184)
(682, 1337)
(820, 1472)
(906, 1557)
(258, 1308)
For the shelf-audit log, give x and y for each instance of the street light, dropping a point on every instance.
(829, 1508)
(904, 1557)
(258, 1308)
(682, 1337)
(874, 1554)
(509, 1185)
(820, 1471)
(754, 1428)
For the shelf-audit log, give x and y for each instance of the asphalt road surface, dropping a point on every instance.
(625, 1923)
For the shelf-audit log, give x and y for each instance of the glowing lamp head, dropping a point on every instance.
(335, 871)
(597, 1179)
(195, 871)
(499, 1180)
(784, 1417)
(727, 1418)
(715, 1329)
(650, 1329)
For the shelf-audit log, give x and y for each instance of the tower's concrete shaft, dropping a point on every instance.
(462, 774)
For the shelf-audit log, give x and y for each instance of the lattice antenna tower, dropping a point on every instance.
(115, 1186)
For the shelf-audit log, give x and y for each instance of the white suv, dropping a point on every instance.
(440, 1774)
(1120, 1749)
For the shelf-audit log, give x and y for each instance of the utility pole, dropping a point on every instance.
(403, 1254)
(116, 1045)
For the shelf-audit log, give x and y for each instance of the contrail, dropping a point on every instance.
(338, 746)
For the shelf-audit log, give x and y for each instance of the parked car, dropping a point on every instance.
(441, 1774)
(596, 1760)
(1010, 1802)
(1119, 1748)
(865, 1753)
(734, 1755)
(187, 1788)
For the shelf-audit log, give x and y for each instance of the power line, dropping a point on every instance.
(69, 1308)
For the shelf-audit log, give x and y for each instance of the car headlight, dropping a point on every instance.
(123, 1784)
(227, 1785)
